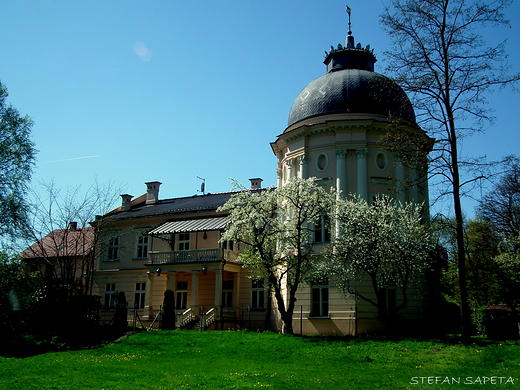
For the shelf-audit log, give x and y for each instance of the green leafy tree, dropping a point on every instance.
(481, 247)
(385, 244)
(440, 57)
(18, 296)
(508, 273)
(17, 156)
(277, 228)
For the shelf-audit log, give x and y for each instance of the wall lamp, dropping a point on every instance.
(204, 270)
(158, 272)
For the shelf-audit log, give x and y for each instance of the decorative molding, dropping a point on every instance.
(341, 153)
(326, 127)
(302, 158)
(362, 153)
(321, 181)
(382, 180)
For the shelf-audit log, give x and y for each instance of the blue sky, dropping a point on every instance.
(134, 91)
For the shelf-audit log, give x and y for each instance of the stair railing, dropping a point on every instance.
(209, 317)
(186, 317)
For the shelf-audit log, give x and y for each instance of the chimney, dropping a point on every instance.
(73, 226)
(256, 184)
(125, 202)
(152, 192)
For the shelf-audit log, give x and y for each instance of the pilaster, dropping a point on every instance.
(362, 174)
(400, 180)
(341, 171)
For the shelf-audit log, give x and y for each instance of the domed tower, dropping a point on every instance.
(335, 126)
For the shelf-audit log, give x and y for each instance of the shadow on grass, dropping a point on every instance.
(26, 345)
(447, 339)
(22, 346)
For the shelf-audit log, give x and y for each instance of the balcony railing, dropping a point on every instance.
(189, 256)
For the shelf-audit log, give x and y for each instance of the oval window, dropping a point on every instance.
(381, 161)
(322, 162)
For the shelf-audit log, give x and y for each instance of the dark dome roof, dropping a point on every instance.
(351, 91)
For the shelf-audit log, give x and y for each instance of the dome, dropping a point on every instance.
(351, 91)
(351, 86)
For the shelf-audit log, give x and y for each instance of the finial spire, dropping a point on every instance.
(349, 24)
(350, 39)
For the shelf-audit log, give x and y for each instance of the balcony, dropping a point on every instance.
(189, 256)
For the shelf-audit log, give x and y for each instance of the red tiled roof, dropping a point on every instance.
(62, 243)
(501, 306)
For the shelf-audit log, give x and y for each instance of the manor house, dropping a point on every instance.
(149, 244)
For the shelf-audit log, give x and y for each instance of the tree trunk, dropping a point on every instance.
(285, 315)
(459, 228)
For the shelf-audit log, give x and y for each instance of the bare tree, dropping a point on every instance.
(440, 57)
(61, 242)
(501, 206)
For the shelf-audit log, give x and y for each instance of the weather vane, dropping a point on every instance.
(349, 25)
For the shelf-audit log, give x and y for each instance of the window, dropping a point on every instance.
(390, 300)
(320, 299)
(140, 290)
(110, 296)
(181, 295)
(322, 162)
(184, 241)
(257, 294)
(227, 294)
(113, 249)
(381, 161)
(142, 247)
(228, 244)
(321, 229)
(71, 271)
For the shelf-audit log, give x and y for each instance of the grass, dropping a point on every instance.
(242, 360)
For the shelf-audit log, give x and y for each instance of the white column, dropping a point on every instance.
(236, 289)
(400, 180)
(148, 296)
(289, 167)
(218, 287)
(279, 173)
(304, 170)
(362, 175)
(341, 171)
(194, 288)
(170, 284)
(425, 187)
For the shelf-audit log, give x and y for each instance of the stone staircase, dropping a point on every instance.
(195, 325)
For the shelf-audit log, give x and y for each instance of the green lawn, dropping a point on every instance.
(241, 360)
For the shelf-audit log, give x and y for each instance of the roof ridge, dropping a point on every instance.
(199, 196)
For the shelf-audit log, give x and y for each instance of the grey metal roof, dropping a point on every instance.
(175, 206)
(190, 225)
(353, 91)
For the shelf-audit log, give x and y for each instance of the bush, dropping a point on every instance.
(168, 311)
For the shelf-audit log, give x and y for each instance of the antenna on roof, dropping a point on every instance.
(202, 185)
